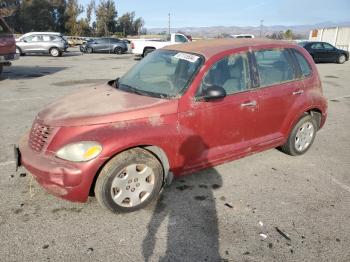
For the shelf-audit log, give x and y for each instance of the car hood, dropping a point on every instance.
(103, 104)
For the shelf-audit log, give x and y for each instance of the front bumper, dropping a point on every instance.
(67, 180)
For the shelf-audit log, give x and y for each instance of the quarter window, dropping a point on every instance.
(328, 46)
(274, 66)
(304, 65)
(231, 73)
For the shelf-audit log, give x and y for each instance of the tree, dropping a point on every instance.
(128, 25)
(288, 34)
(106, 15)
(72, 12)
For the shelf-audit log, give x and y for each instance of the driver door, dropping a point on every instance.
(220, 128)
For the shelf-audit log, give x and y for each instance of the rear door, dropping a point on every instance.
(277, 90)
(331, 54)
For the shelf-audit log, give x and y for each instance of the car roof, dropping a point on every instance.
(209, 48)
(42, 33)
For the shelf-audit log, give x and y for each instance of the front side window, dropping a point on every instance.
(317, 46)
(162, 73)
(304, 65)
(274, 66)
(230, 73)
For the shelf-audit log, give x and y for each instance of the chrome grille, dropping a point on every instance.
(39, 136)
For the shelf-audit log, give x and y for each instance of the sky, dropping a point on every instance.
(196, 13)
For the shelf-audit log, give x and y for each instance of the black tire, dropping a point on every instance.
(18, 50)
(115, 169)
(118, 50)
(89, 50)
(341, 59)
(55, 52)
(147, 51)
(290, 146)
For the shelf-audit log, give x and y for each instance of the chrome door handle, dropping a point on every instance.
(299, 92)
(251, 103)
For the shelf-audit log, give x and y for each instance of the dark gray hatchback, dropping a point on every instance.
(104, 45)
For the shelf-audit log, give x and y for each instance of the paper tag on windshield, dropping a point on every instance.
(188, 57)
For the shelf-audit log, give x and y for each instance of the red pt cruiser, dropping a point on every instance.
(181, 109)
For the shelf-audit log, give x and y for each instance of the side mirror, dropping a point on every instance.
(214, 92)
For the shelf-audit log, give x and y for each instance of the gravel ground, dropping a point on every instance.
(265, 207)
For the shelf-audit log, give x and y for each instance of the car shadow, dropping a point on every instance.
(28, 72)
(189, 208)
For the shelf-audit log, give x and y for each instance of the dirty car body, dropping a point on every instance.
(189, 106)
(7, 45)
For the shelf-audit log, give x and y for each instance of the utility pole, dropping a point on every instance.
(169, 24)
(261, 27)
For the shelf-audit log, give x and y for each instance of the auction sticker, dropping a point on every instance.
(188, 57)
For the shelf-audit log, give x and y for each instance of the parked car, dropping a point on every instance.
(7, 45)
(181, 109)
(42, 43)
(143, 47)
(325, 52)
(104, 45)
(243, 36)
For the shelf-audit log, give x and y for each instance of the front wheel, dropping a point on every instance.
(302, 136)
(88, 50)
(341, 59)
(129, 181)
(55, 52)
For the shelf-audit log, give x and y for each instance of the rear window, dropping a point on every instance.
(274, 66)
(4, 28)
(304, 65)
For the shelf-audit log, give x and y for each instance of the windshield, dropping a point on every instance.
(162, 73)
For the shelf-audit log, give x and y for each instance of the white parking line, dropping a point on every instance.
(342, 185)
(7, 163)
(22, 99)
(340, 97)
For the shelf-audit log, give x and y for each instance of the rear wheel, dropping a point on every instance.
(129, 181)
(341, 59)
(55, 52)
(302, 136)
(118, 50)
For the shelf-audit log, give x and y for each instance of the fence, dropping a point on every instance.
(338, 36)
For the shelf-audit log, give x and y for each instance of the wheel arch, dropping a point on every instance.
(156, 151)
(146, 48)
(313, 111)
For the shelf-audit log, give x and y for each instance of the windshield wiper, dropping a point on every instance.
(133, 90)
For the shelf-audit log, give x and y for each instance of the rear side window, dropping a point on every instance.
(274, 66)
(304, 65)
(317, 46)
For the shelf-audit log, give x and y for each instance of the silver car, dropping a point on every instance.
(44, 43)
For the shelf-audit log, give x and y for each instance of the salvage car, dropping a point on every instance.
(325, 52)
(7, 45)
(181, 109)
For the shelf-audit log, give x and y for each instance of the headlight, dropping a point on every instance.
(80, 152)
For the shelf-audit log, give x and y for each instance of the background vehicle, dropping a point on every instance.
(144, 47)
(7, 46)
(161, 119)
(325, 52)
(105, 45)
(243, 36)
(41, 42)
